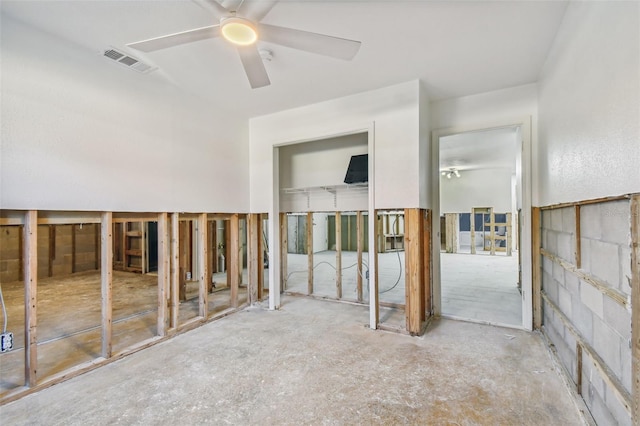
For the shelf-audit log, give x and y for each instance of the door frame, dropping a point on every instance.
(524, 123)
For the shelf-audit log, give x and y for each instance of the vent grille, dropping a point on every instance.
(127, 61)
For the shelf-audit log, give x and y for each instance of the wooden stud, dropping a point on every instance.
(73, 248)
(579, 368)
(310, 252)
(374, 281)
(214, 245)
(536, 266)
(578, 249)
(30, 257)
(492, 232)
(234, 250)
(183, 255)
(52, 248)
(96, 245)
(284, 237)
(227, 245)
(635, 303)
(204, 278)
(164, 272)
(175, 270)
(106, 279)
(426, 259)
(359, 248)
(473, 231)
(587, 202)
(21, 262)
(414, 269)
(509, 234)
(253, 257)
(211, 243)
(261, 256)
(338, 255)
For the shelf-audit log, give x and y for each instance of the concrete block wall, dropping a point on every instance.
(599, 321)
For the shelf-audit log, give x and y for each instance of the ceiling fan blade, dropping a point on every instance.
(176, 39)
(321, 44)
(253, 66)
(231, 5)
(257, 10)
(214, 7)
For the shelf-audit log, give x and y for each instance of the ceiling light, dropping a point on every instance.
(239, 31)
(450, 173)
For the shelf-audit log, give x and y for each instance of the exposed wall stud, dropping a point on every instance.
(536, 265)
(30, 257)
(635, 303)
(163, 273)
(106, 278)
(234, 264)
(175, 270)
(338, 255)
(203, 278)
(310, 252)
(360, 244)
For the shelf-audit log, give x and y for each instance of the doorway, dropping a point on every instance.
(481, 186)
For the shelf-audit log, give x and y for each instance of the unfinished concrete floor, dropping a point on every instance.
(481, 287)
(69, 319)
(313, 362)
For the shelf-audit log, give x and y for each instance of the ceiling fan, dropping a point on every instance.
(241, 27)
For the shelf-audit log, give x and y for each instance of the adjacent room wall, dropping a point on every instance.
(81, 133)
(395, 112)
(476, 188)
(589, 148)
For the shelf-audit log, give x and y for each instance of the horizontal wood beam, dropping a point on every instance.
(587, 202)
(615, 295)
(607, 375)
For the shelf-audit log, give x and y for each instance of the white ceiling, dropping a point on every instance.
(455, 48)
(496, 148)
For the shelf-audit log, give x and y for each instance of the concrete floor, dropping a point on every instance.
(313, 362)
(69, 315)
(481, 287)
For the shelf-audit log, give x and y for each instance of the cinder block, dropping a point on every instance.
(625, 355)
(556, 219)
(569, 220)
(550, 287)
(582, 319)
(618, 318)
(625, 270)
(615, 407)
(598, 409)
(547, 265)
(585, 254)
(605, 262)
(572, 284)
(552, 242)
(607, 344)
(565, 247)
(558, 273)
(590, 226)
(616, 222)
(592, 298)
(564, 302)
(545, 220)
(591, 375)
(544, 237)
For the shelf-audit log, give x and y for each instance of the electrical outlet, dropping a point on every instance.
(6, 342)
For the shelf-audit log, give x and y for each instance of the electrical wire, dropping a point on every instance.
(393, 232)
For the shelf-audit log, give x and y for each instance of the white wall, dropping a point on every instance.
(80, 133)
(476, 188)
(589, 105)
(396, 153)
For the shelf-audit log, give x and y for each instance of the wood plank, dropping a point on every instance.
(253, 259)
(579, 368)
(473, 231)
(617, 388)
(426, 256)
(587, 202)
(164, 272)
(73, 248)
(174, 305)
(106, 280)
(359, 248)
(414, 269)
(213, 236)
(183, 258)
(338, 255)
(96, 245)
(536, 267)
(52, 249)
(203, 278)
(30, 256)
(614, 294)
(509, 235)
(635, 303)
(310, 252)
(234, 251)
(261, 256)
(284, 237)
(576, 242)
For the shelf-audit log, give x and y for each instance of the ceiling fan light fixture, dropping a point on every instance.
(239, 31)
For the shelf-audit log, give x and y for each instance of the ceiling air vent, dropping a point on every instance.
(127, 61)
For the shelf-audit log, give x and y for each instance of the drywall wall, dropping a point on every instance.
(476, 188)
(81, 133)
(393, 111)
(589, 104)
